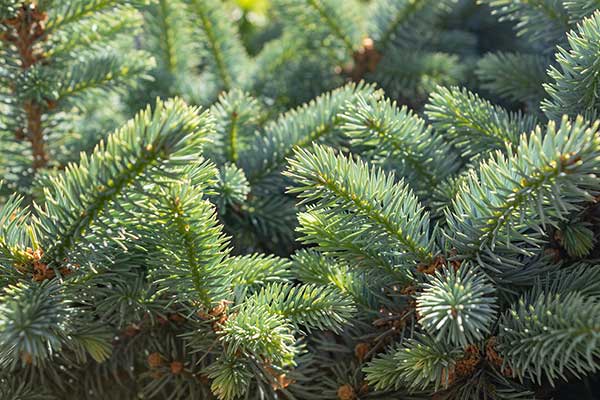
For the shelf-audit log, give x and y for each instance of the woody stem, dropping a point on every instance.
(28, 26)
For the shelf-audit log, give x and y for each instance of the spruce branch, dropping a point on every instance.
(256, 270)
(316, 121)
(511, 198)
(227, 55)
(551, 336)
(190, 246)
(578, 239)
(473, 125)
(15, 234)
(308, 306)
(312, 267)
(34, 321)
(516, 77)
(230, 377)
(580, 9)
(266, 221)
(102, 72)
(576, 85)
(232, 188)
(67, 44)
(390, 209)
(411, 75)
(337, 17)
(538, 20)
(390, 19)
(169, 135)
(238, 116)
(340, 236)
(581, 278)
(255, 331)
(169, 35)
(76, 10)
(164, 22)
(93, 339)
(25, 32)
(396, 137)
(420, 363)
(457, 307)
(295, 68)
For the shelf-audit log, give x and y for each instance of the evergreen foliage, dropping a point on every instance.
(299, 199)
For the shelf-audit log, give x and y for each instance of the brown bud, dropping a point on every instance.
(448, 377)
(177, 318)
(176, 367)
(399, 324)
(51, 104)
(346, 392)
(364, 388)
(553, 253)
(218, 324)
(202, 314)
(409, 290)
(42, 272)
(282, 382)
(26, 358)
(219, 309)
(361, 350)
(155, 360)
(203, 378)
(132, 330)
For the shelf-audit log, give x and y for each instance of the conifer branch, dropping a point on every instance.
(514, 76)
(312, 267)
(339, 182)
(81, 192)
(308, 306)
(420, 363)
(576, 84)
(257, 270)
(338, 19)
(544, 20)
(230, 377)
(551, 336)
(15, 235)
(69, 41)
(411, 77)
(34, 321)
(316, 121)
(103, 71)
(548, 176)
(473, 124)
(389, 135)
(332, 23)
(337, 236)
(579, 9)
(390, 17)
(255, 331)
(226, 52)
(76, 10)
(25, 31)
(191, 245)
(457, 307)
(238, 116)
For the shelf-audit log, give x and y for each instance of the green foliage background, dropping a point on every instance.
(299, 199)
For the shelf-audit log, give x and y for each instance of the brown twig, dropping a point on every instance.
(23, 32)
(365, 60)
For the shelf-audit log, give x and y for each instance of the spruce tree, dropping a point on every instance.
(381, 199)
